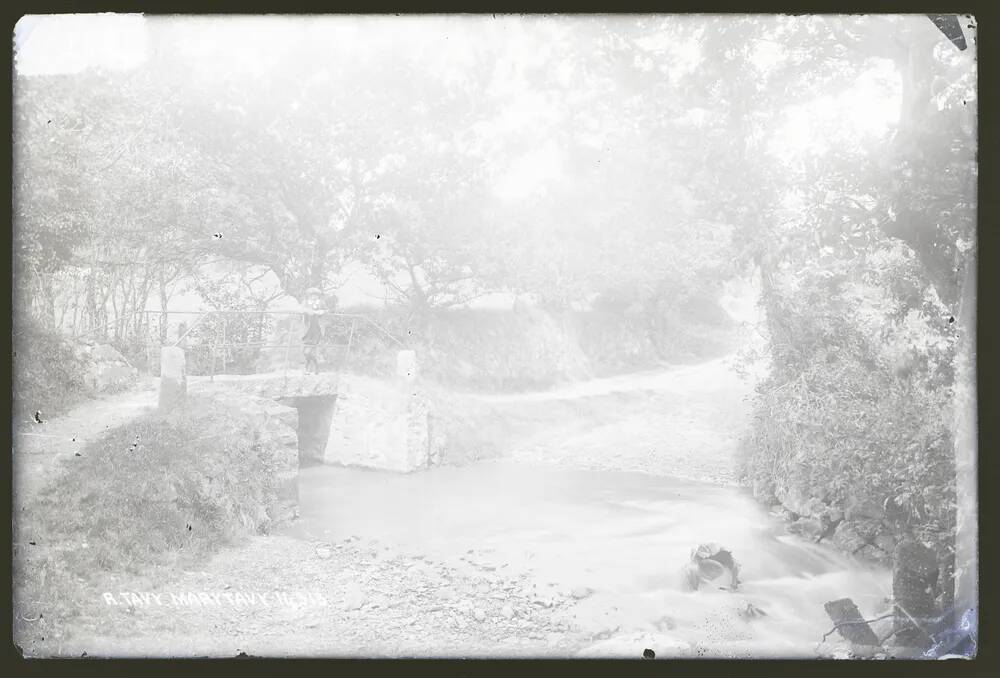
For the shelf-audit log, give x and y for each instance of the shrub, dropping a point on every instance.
(48, 375)
(857, 413)
(849, 436)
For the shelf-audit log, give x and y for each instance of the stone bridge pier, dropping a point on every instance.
(340, 419)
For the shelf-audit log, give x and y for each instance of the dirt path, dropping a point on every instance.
(683, 423)
(39, 449)
(711, 374)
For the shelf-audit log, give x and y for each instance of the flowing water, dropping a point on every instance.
(604, 494)
(625, 536)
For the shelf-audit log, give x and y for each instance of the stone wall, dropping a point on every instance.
(371, 422)
(279, 434)
(379, 424)
(280, 424)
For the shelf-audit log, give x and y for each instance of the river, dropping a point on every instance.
(624, 536)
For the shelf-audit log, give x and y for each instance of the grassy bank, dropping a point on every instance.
(164, 490)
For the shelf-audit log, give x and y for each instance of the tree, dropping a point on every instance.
(302, 180)
(862, 267)
(100, 195)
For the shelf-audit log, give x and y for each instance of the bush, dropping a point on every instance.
(858, 438)
(854, 425)
(48, 375)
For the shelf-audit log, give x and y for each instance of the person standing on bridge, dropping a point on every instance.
(313, 309)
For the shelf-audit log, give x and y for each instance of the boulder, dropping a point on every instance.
(107, 369)
(807, 528)
(709, 564)
(354, 597)
(710, 570)
(796, 500)
(848, 537)
(862, 510)
(815, 508)
(750, 611)
(851, 535)
(874, 554)
(691, 577)
(886, 543)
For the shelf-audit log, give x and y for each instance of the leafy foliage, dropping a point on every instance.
(47, 373)
(235, 335)
(862, 269)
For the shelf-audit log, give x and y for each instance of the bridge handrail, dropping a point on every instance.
(356, 316)
(215, 345)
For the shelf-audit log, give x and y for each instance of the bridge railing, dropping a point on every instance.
(252, 341)
(226, 342)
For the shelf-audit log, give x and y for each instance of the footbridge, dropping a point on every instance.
(364, 407)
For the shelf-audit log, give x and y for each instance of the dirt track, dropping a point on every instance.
(682, 423)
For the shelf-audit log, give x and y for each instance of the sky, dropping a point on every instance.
(69, 43)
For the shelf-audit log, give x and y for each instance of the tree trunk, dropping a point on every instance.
(46, 299)
(916, 226)
(419, 302)
(914, 578)
(917, 230)
(164, 300)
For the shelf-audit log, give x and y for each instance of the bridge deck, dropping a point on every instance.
(273, 384)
